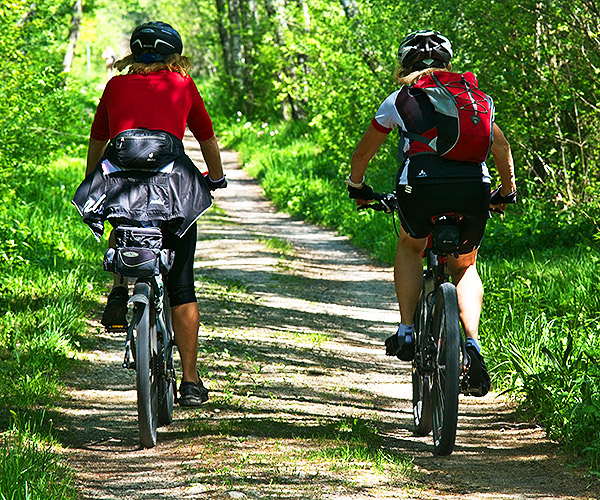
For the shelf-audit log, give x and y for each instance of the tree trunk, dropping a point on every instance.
(300, 69)
(276, 15)
(73, 35)
(235, 37)
(28, 16)
(224, 36)
(250, 30)
(353, 14)
(350, 8)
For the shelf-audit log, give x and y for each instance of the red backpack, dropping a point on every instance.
(464, 117)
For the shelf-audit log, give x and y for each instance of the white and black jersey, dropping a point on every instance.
(418, 163)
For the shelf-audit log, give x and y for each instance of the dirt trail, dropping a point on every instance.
(291, 343)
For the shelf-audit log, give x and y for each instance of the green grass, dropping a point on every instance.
(50, 272)
(50, 277)
(541, 330)
(354, 442)
(339, 445)
(278, 245)
(30, 468)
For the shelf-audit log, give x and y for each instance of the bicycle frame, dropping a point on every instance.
(435, 272)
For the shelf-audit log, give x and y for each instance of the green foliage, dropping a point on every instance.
(541, 328)
(48, 266)
(37, 116)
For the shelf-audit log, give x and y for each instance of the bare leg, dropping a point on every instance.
(469, 290)
(186, 320)
(117, 280)
(408, 274)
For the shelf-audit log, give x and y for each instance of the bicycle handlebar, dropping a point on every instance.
(386, 202)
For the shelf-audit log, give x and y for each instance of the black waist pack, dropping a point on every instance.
(143, 149)
(138, 253)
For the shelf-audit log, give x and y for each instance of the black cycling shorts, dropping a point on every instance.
(471, 199)
(180, 280)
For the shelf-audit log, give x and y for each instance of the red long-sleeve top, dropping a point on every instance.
(162, 100)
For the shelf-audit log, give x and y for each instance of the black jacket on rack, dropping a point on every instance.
(172, 195)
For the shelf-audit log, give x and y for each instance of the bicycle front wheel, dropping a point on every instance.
(146, 374)
(421, 382)
(445, 390)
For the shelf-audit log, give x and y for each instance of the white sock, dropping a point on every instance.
(473, 342)
(405, 331)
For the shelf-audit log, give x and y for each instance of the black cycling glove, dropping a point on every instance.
(212, 185)
(497, 199)
(363, 193)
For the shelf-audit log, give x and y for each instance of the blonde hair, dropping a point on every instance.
(405, 76)
(174, 62)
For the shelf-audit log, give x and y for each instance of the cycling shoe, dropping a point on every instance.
(478, 378)
(404, 351)
(192, 394)
(115, 312)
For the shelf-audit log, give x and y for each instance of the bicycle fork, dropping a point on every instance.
(139, 300)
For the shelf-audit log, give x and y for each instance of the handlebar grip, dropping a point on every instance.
(385, 203)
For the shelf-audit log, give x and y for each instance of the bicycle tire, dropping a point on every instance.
(421, 383)
(146, 375)
(445, 388)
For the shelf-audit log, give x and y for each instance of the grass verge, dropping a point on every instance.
(31, 468)
(50, 277)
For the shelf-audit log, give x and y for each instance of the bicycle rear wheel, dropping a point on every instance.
(167, 386)
(421, 383)
(445, 390)
(166, 398)
(146, 373)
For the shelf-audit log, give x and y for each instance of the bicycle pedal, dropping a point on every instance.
(116, 328)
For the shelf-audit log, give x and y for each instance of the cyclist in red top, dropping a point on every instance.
(428, 185)
(158, 94)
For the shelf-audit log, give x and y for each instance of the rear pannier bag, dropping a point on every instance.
(138, 253)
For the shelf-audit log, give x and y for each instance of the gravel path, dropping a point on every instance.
(293, 322)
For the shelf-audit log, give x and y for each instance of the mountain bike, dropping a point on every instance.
(149, 343)
(440, 365)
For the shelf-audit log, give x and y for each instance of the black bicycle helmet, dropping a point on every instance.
(425, 49)
(153, 41)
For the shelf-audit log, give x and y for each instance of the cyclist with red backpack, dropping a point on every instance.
(447, 130)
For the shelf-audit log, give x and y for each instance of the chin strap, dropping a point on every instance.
(148, 57)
